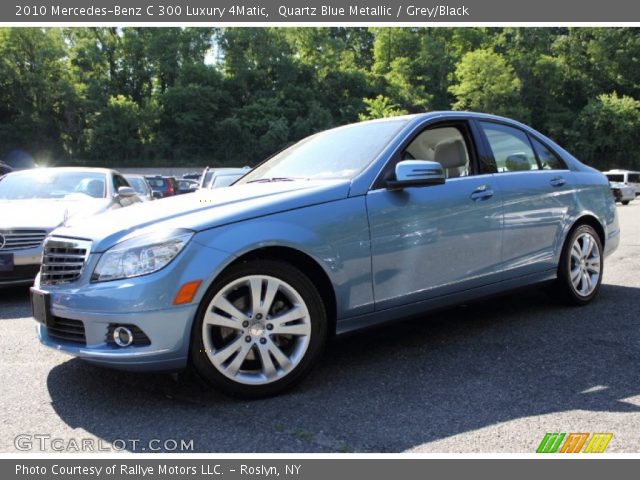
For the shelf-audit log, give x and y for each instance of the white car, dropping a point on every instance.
(628, 177)
(622, 192)
(34, 202)
(221, 177)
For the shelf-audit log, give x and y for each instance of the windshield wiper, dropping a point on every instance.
(273, 179)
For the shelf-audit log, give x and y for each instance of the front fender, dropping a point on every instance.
(334, 234)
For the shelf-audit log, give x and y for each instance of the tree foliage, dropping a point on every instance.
(197, 96)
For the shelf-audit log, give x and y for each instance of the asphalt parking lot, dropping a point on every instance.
(493, 376)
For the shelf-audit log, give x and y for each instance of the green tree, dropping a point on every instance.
(486, 83)
(117, 137)
(607, 132)
(380, 107)
(39, 110)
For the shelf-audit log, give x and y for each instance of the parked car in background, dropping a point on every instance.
(626, 177)
(187, 186)
(350, 227)
(4, 169)
(227, 176)
(230, 174)
(192, 176)
(622, 192)
(166, 186)
(34, 202)
(141, 187)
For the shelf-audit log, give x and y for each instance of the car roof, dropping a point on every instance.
(446, 114)
(105, 171)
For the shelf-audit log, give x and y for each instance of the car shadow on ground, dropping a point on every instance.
(391, 388)
(12, 302)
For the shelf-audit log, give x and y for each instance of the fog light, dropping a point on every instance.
(122, 336)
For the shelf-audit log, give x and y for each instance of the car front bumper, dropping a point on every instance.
(168, 331)
(25, 267)
(90, 311)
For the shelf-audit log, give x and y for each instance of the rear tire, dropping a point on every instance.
(260, 329)
(581, 266)
(625, 202)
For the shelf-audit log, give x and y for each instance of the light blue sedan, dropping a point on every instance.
(348, 228)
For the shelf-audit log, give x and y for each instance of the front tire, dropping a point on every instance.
(625, 202)
(581, 266)
(259, 330)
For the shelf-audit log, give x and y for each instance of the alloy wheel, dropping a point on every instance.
(256, 329)
(585, 264)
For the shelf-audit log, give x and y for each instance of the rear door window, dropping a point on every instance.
(548, 159)
(511, 148)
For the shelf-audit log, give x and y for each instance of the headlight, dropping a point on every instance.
(140, 255)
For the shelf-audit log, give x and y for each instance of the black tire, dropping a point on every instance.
(567, 291)
(617, 195)
(200, 360)
(625, 202)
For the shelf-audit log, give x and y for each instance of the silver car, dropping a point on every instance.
(221, 177)
(142, 188)
(34, 202)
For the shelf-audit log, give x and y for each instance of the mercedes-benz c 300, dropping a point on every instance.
(348, 228)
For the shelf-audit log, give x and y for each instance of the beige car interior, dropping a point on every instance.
(444, 145)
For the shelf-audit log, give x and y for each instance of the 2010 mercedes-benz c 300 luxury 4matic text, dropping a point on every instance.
(350, 227)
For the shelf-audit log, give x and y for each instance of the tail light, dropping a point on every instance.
(169, 188)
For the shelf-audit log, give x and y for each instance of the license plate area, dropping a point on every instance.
(41, 307)
(6, 262)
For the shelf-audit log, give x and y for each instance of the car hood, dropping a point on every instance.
(48, 213)
(204, 209)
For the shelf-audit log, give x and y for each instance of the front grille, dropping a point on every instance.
(19, 239)
(63, 260)
(67, 330)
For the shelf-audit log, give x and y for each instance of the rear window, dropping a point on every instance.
(156, 182)
(615, 177)
(634, 177)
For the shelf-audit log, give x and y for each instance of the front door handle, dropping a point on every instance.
(483, 192)
(557, 181)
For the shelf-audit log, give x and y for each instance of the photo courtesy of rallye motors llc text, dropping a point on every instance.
(142, 471)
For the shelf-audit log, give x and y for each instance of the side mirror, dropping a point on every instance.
(416, 173)
(156, 194)
(126, 192)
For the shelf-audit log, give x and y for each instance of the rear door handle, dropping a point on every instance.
(483, 192)
(557, 181)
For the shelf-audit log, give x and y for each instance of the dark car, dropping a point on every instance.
(187, 186)
(167, 186)
(4, 169)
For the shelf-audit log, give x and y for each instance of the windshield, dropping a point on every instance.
(138, 184)
(615, 177)
(338, 153)
(206, 178)
(225, 180)
(52, 184)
